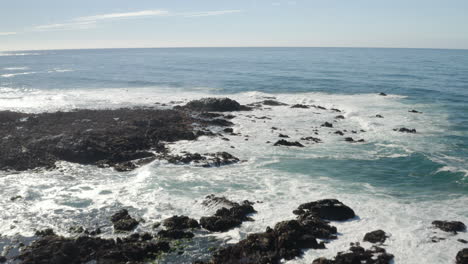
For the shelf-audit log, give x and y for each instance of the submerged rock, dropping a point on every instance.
(450, 226)
(300, 106)
(358, 255)
(379, 116)
(215, 104)
(382, 94)
(273, 103)
(339, 117)
(405, 130)
(283, 142)
(283, 136)
(327, 124)
(314, 139)
(377, 236)
(415, 111)
(122, 221)
(206, 160)
(329, 209)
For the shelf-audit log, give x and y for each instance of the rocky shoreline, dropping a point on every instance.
(124, 139)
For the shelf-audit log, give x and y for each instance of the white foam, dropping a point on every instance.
(15, 68)
(9, 75)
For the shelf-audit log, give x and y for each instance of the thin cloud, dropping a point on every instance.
(7, 33)
(66, 26)
(143, 13)
(211, 13)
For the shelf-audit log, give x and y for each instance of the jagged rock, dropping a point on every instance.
(450, 226)
(215, 105)
(462, 256)
(283, 142)
(180, 222)
(175, 234)
(122, 221)
(300, 106)
(213, 200)
(206, 160)
(377, 236)
(314, 139)
(283, 136)
(379, 116)
(84, 249)
(339, 133)
(405, 130)
(273, 103)
(329, 209)
(382, 94)
(45, 232)
(336, 110)
(225, 219)
(327, 124)
(349, 139)
(358, 255)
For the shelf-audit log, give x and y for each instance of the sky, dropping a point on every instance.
(73, 24)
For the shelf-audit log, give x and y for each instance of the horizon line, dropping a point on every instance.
(207, 47)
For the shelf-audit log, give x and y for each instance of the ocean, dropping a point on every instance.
(398, 182)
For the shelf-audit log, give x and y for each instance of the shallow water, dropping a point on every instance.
(394, 181)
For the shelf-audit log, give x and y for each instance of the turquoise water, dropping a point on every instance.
(399, 182)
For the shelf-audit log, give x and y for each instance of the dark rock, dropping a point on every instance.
(329, 209)
(283, 142)
(273, 103)
(219, 122)
(349, 139)
(180, 222)
(274, 128)
(462, 241)
(283, 136)
(414, 111)
(96, 137)
(450, 226)
(319, 107)
(327, 124)
(206, 160)
(462, 256)
(45, 232)
(300, 106)
(228, 130)
(377, 236)
(339, 133)
(358, 255)
(336, 110)
(225, 219)
(175, 234)
(215, 105)
(379, 116)
(17, 197)
(383, 94)
(339, 117)
(314, 139)
(213, 200)
(122, 221)
(3, 259)
(84, 249)
(405, 130)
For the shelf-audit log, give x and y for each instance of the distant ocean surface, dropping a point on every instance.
(395, 181)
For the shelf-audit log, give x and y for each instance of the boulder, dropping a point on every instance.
(329, 209)
(180, 222)
(377, 236)
(122, 221)
(405, 130)
(215, 105)
(300, 106)
(449, 226)
(283, 142)
(225, 219)
(327, 124)
(462, 256)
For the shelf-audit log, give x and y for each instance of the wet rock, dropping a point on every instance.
(314, 139)
(349, 139)
(339, 117)
(273, 103)
(122, 221)
(336, 110)
(84, 249)
(329, 209)
(462, 241)
(45, 232)
(283, 142)
(319, 107)
(338, 132)
(225, 219)
(358, 255)
(219, 122)
(300, 106)
(175, 234)
(414, 111)
(206, 160)
(382, 94)
(91, 137)
(327, 124)
(449, 226)
(213, 200)
(17, 197)
(215, 105)
(405, 130)
(462, 256)
(3, 259)
(228, 130)
(379, 116)
(180, 222)
(377, 236)
(283, 136)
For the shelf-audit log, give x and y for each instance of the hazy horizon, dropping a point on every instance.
(52, 25)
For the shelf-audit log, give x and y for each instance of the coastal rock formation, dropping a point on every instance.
(377, 236)
(314, 139)
(180, 223)
(300, 106)
(122, 221)
(205, 160)
(283, 142)
(327, 124)
(273, 103)
(462, 256)
(405, 130)
(215, 105)
(449, 226)
(84, 249)
(225, 219)
(357, 254)
(329, 209)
